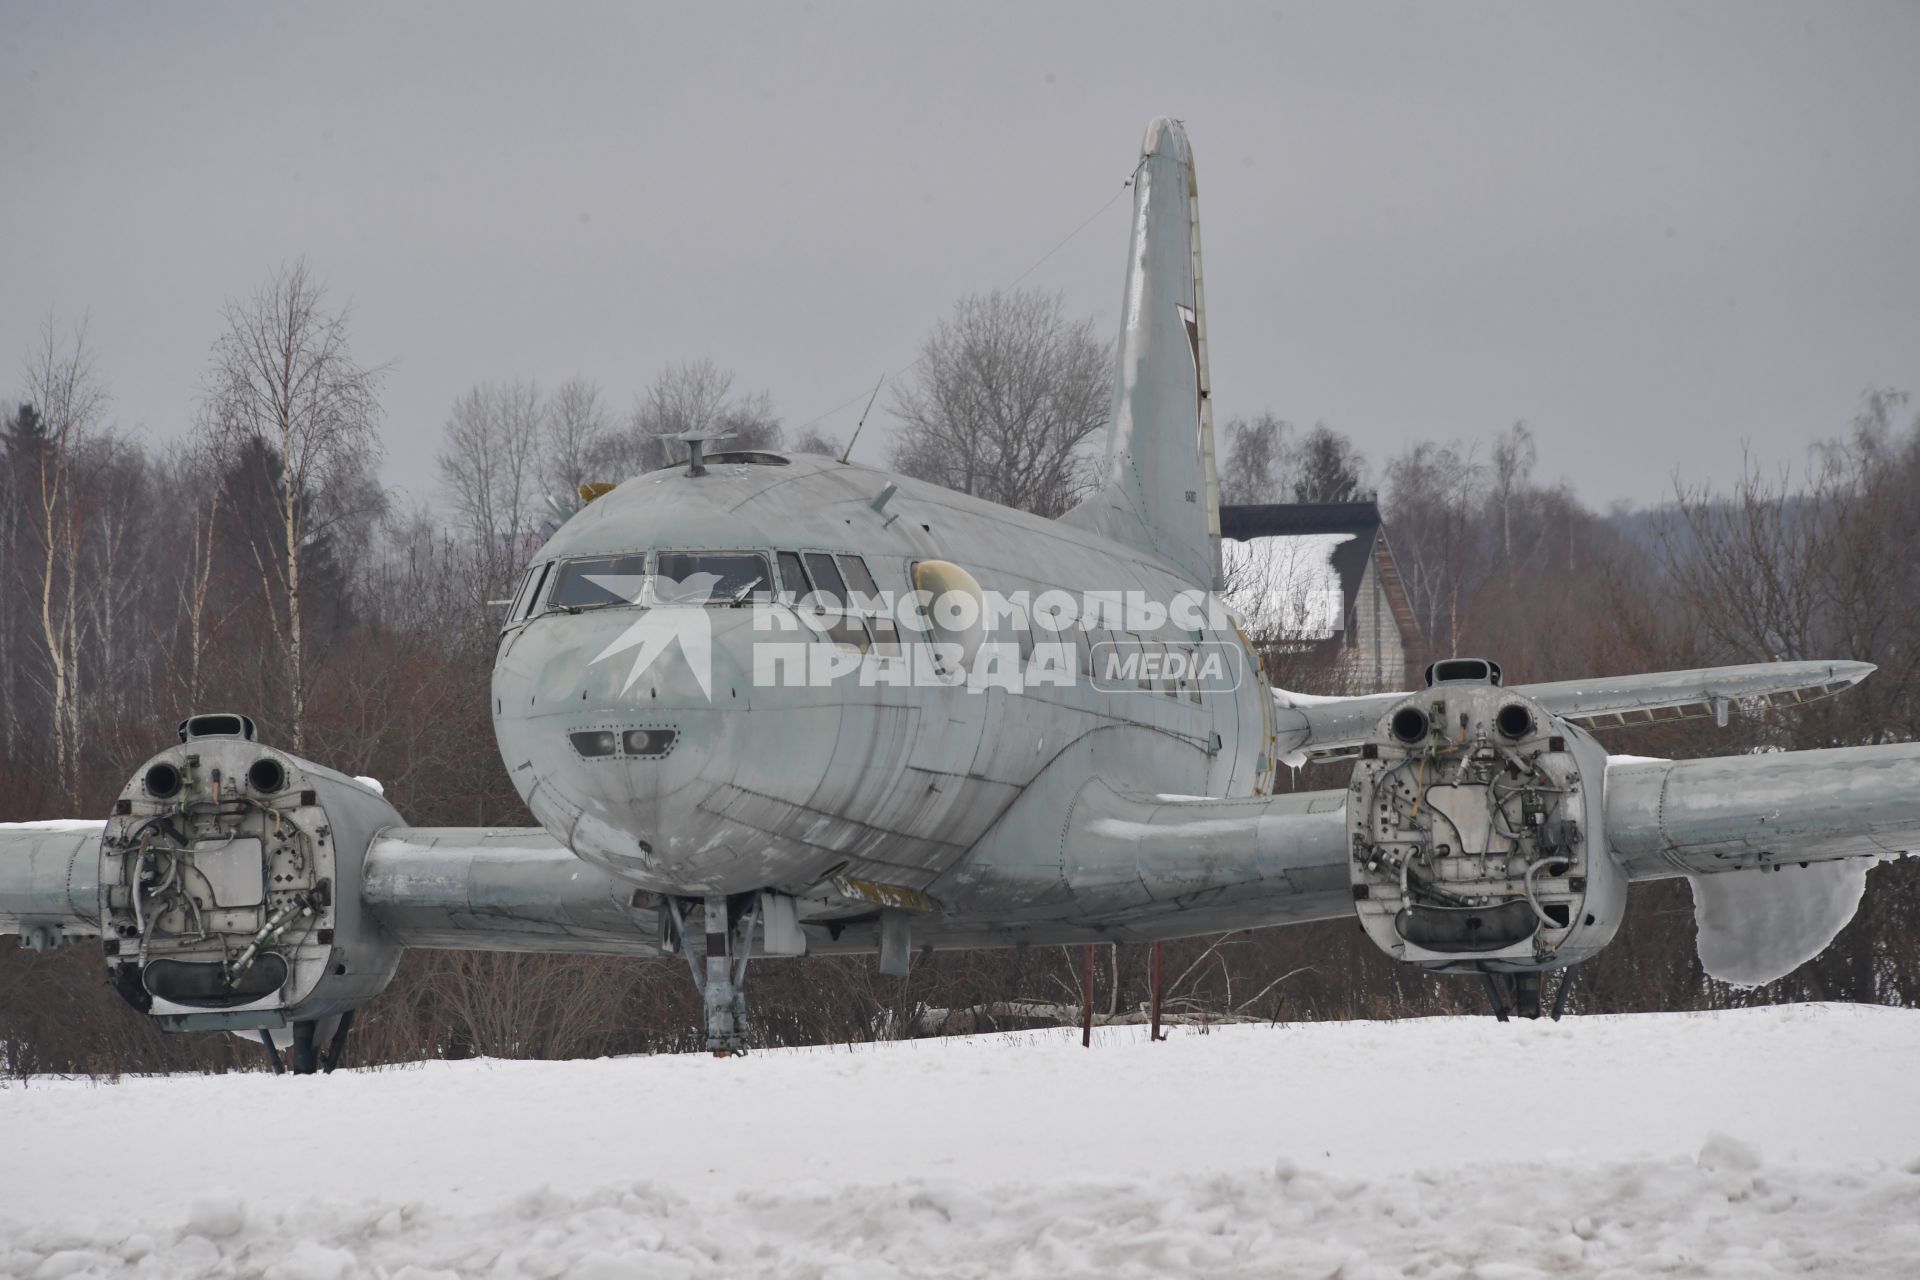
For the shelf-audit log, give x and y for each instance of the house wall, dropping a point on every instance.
(1376, 655)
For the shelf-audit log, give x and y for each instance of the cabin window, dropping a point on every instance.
(737, 576)
(1023, 634)
(1083, 646)
(595, 584)
(1141, 648)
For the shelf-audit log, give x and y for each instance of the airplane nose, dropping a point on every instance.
(619, 737)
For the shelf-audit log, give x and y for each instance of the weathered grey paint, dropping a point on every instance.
(1726, 813)
(1056, 814)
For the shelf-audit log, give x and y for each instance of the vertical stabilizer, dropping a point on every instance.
(1161, 494)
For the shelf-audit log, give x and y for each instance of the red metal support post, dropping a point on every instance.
(1156, 993)
(1086, 999)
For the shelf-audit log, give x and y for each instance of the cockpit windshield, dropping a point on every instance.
(594, 584)
(715, 577)
(675, 577)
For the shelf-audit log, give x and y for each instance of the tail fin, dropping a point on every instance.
(1161, 494)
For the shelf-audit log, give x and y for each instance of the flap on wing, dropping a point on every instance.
(1310, 727)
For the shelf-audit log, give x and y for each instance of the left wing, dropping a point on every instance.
(1308, 727)
(1776, 846)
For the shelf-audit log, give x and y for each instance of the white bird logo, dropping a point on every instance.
(656, 628)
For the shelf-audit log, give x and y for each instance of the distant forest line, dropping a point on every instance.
(259, 567)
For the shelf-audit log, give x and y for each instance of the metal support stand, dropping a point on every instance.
(1493, 996)
(1526, 995)
(306, 1058)
(1086, 999)
(337, 1044)
(1560, 996)
(1157, 978)
(273, 1054)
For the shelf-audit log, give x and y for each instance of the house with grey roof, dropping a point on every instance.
(1319, 592)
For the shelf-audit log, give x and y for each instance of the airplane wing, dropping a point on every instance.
(1776, 846)
(50, 881)
(501, 889)
(458, 888)
(1318, 728)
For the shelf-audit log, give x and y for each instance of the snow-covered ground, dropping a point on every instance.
(1763, 1142)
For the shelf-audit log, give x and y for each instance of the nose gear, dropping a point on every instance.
(720, 967)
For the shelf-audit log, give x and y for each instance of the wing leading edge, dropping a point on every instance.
(1309, 728)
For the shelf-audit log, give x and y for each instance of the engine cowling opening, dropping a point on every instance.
(1475, 821)
(221, 886)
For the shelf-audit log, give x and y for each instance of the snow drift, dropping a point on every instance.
(1763, 1142)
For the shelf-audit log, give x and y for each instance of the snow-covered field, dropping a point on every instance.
(1776, 1141)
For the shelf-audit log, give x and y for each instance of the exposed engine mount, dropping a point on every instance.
(1477, 832)
(229, 890)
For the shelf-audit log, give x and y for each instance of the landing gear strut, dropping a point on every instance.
(729, 925)
(304, 1055)
(1520, 994)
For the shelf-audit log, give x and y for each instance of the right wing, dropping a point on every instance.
(501, 889)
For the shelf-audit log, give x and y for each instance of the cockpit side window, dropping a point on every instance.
(793, 576)
(866, 598)
(826, 577)
(845, 628)
(528, 596)
(738, 575)
(595, 584)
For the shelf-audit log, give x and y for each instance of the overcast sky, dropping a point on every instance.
(1654, 232)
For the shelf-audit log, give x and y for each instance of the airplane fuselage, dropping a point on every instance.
(775, 780)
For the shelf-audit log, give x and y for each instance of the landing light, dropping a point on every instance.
(593, 743)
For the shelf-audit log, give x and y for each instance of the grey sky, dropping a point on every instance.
(1652, 231)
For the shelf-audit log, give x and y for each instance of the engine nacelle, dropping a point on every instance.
(1477, 833)
(230, 887)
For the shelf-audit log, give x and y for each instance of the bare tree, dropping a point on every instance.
(1432, 498)
(814, 440)
(692, 395)
(1006, 392)
(576, 433)
(284, 389)
(68, 400)
(1327, 467)
(489, 466)
(1513, 459)
(1258, 459)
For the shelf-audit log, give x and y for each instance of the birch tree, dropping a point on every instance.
(284, 389)
(68, 401)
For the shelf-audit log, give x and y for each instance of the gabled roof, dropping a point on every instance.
(1269, 519)
(1348, 559)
